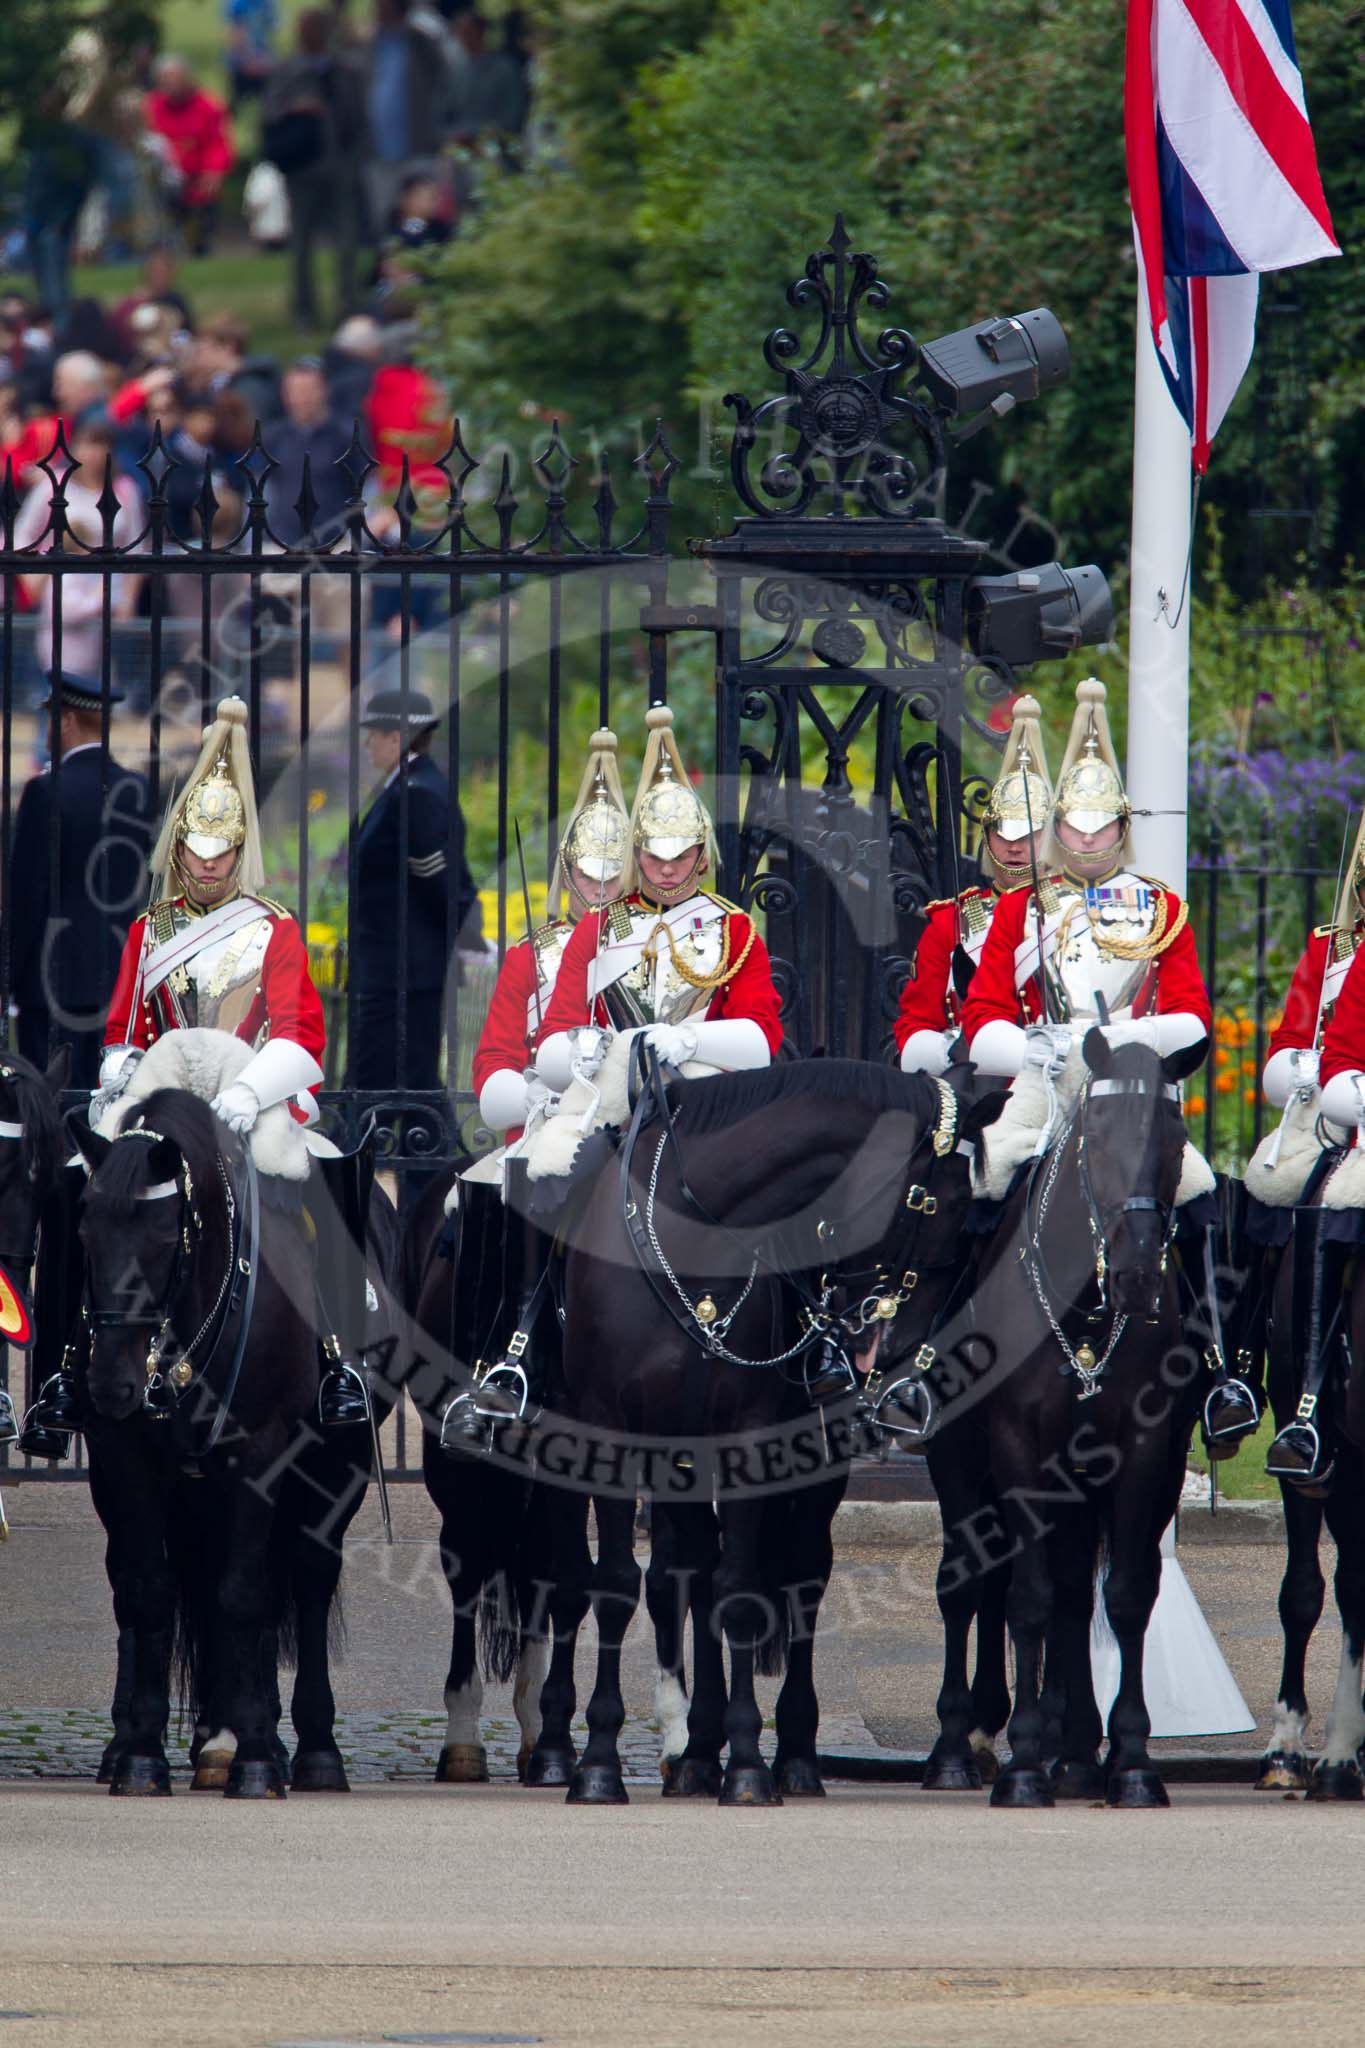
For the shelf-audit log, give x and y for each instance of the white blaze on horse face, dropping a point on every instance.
(670, 1711)
(532, 1666)
(1290, 1731)
(1346, 1722)
(463, 1706)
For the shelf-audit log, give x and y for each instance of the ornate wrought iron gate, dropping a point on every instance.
(842, 684)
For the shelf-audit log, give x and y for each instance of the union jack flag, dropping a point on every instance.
(1223, 181)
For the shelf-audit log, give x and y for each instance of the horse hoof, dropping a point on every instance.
(1136, 1788)
(597, 1785)
(797, 1777)
(319, 1770)
(212, 1770)
(141, 1777)
(1336, 1781)
(1073, 1780)
(109, 1762)
(551, 1768)
(986, 1761)
(692, 1777)
(1018, 1786)
(1284, 1770)
(254, 1778)
(749, 1785)
(462, 1763)
(951, 1774)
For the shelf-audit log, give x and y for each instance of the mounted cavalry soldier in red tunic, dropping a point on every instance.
(495, 1246)
(668, 956)
(1097, 944)
(663, 958)
(951, 944)
(587, 875)
(1315, 1073)
(213, 953)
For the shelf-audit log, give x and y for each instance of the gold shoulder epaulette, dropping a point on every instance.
(161, 918)
(1155, 882)
(549, 930)
(1322, 931)
(618, 920)
(280, 909)
(942, 903)
(724, 902)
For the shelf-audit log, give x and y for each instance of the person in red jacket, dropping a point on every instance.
(499, 1254)
(587, 875)
(954, 935)
(1099, 945)
(668, 955)
(194, 128)
(1326, 1007)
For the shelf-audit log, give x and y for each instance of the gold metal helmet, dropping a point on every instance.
(213, 818)
(1022, 796)
(215, 811)
(1090, 791)
(669, 817)
(598, 837)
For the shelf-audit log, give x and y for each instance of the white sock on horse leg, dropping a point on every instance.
(464, 1704)
(1346, 1722)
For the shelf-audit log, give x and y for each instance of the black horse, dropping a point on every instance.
(224, 1506)
(506, 1538)
(761, 1222)
(1090, 1414)
(1339, 1500)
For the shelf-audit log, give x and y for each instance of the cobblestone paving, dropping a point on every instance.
(378, 1748)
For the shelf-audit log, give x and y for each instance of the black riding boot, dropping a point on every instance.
(509, 1377)
(338, 1202)
(58, 1285)
(1231, 1408)
(1303, 1451)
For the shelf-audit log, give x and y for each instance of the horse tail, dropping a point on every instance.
(193, 1618)
(770, 1652)
(500, 1623)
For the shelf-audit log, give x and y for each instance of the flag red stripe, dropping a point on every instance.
(1139, 136)
(1282, 129)
(1199, 349)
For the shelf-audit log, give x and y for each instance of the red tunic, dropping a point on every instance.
(1343, 1044)
(1178, 983)
(1304, 1008)
(285, 999)
(748, 993)
(929, 1000)
(505, 1041)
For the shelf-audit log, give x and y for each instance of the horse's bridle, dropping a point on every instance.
(699, 1320)
(1081, 1360)
(235, 1295)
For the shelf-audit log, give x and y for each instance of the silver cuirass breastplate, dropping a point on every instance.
(653, 991)
(1082, 963)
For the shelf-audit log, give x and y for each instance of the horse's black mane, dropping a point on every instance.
(712, 1104)
(39, 1115)
(127, 1168)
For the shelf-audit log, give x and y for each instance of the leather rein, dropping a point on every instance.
(233, 1301)
(699, 1320)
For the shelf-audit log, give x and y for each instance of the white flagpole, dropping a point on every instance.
(1158, 650)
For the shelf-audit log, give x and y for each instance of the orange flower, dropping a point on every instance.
(1225, 1083)
(1195, 1106)
(1222, 1058)
(1246, 1030)
(1248, 1066)
(1249, 1095)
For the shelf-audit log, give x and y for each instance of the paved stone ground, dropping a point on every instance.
(66, 1743)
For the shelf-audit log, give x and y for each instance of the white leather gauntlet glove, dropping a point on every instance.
(1048, 1045)
(925, 1052)
(1162, 1035)
(238, 1107)
(1343, 1098)
(675, 1044)
(1293, 1070)
(503, 1099)
(571, 1056)
(280, 1069)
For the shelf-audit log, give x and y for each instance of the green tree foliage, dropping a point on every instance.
(978, 150)
(540, 306)
(34, 66)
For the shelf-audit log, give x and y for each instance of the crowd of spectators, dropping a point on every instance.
(346, 118)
